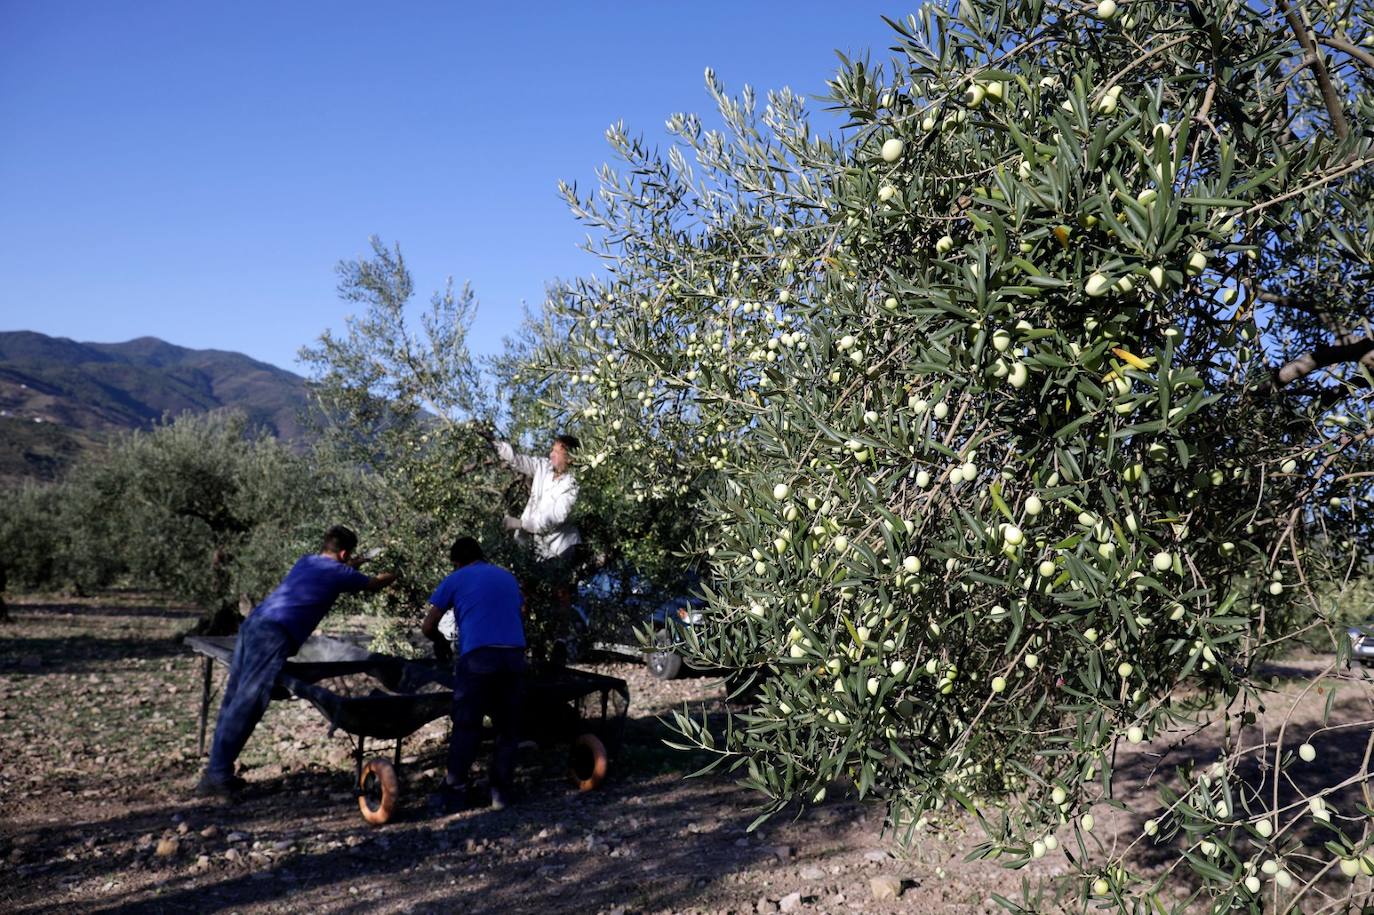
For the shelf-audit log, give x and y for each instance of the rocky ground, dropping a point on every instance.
(98, 753)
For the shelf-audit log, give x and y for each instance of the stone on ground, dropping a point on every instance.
(885, 886)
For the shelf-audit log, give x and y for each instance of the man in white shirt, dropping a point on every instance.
(553, 492)
(545, 525)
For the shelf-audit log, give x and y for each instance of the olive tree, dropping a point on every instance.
(58, 536)
(409, 406)
(401, 405)
(1030, 414)
(208, 509)
(641, 534)
(30, 537)
(204, 507)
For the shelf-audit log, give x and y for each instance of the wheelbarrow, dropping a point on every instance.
(582, 709)
(587, 710)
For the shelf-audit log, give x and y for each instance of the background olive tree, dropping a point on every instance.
(29, 540)
(1032, 416)
(643, 535)
(205, 508)
(214, 512)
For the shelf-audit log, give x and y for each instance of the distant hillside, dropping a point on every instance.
(59, 397)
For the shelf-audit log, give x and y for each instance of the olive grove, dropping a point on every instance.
(1021, 422)
(205, 508)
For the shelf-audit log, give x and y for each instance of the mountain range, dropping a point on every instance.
(59, 397)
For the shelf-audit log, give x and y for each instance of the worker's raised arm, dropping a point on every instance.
(378, 582)
(521, 463)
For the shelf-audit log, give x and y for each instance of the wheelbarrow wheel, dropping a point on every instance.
(589, 762)
(378, 789)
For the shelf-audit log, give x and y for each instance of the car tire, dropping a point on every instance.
(663, 662)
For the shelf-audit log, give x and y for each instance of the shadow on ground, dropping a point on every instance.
(79, 654)
(645, 840)
(1341, 755)
(638, 842)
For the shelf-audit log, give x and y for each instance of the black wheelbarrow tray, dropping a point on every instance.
(585, 709)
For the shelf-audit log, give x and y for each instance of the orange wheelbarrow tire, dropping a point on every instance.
(589, 761)
(378, 789)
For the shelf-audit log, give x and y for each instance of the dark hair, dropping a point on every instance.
(568, 441)
(339, 538)
(464, 551)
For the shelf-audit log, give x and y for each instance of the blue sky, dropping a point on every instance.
(194, 171)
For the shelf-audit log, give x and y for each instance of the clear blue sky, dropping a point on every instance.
(193, 171)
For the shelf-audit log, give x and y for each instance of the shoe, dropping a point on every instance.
(448, 799)
(499, 799)
(215, 787)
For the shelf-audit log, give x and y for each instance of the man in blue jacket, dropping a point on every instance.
(488, 667)
(273, 632)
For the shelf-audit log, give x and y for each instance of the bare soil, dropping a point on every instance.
(99, 702)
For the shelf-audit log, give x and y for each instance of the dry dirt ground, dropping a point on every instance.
(98, 708)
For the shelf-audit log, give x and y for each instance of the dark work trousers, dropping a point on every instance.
(486, 681)
(262, 650)
(560, 575)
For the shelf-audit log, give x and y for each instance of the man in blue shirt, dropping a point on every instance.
(488, 667)
(273, 632)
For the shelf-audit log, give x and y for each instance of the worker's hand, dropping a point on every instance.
(511, 523)
(505, 451)
(358, 559)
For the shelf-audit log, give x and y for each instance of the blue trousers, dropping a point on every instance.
(261, 652)
(486, 681)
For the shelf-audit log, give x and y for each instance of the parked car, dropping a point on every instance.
(613, 603)
(1362, 642)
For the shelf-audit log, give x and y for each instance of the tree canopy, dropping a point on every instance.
(1027, 413)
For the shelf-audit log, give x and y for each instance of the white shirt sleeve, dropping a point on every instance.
(522, 463)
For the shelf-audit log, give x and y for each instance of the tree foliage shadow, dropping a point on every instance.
(131, 604)
(1340, 755)
(78, 653)
(87, 649)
